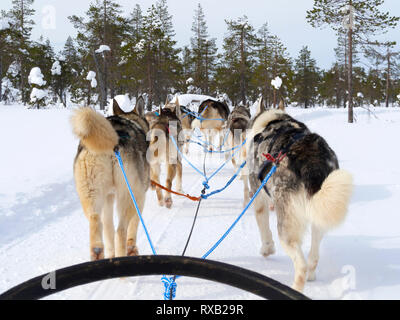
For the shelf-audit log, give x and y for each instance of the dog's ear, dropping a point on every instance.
(282, 105)
(261, 107)
(117, 111)
(177, 108)
(166, 101)
(160, 109)
(140, 106)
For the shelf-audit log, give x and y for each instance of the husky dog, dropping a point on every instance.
(237, 124)
(186, 121)
(99, 180)
(162, 150)
(151, 117)
(211, 109)
(308, 187)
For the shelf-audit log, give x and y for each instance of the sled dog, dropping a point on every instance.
(162, 150)
(307, 188)
(210, 109)
(99, 180)
(237, 125)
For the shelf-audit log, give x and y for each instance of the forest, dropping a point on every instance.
(116, 53)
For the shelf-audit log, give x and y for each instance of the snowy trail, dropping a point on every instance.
(42, 226)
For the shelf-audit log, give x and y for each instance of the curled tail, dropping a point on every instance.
(95, 131)
(329, 205)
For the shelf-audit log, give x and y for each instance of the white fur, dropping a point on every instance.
(328, 207)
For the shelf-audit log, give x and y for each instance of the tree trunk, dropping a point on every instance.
(388, 79)
(350, 77)
(242, 69)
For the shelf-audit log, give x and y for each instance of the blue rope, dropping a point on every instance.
(199, 117)
(273, 170)
(206, 196)
(169, 284)
(170, 287)
(121, 164)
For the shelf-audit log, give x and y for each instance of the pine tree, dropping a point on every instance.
(104, 26)
(22, 24)
(384, 56)
(203, 51)
(6, 56)
(306, 78)
(238, 59)
(272, 61)
(160, 57)
(361, 18)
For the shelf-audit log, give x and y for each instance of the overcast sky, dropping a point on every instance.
(286, 19)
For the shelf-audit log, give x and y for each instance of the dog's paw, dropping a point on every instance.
(267, 249)
(161, 202)
(96, 254)
(311, 276)
(168, 202)
(133, 251)
(271, 207)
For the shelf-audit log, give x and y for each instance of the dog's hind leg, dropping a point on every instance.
(108, 223)
(313, 257)
(262, 218)
(246, 196)
(291, 230)
(132, 249)
(124, 207)
(179, 176)
(91, 208)
(171, 173)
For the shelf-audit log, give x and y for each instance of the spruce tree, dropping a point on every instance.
(203, 50)
(306, 78)
(104, 26)
(21, 20)
(238, 59)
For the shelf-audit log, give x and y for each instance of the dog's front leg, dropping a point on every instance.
(171, 173)
(155, 176)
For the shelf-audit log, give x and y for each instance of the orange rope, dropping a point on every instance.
(177, 193)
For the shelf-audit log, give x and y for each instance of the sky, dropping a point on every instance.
(286, 19)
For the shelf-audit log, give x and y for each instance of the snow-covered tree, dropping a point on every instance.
(38, 93)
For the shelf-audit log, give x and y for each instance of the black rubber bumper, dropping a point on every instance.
(154, 265)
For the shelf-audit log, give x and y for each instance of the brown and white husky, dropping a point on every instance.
(99, 180)
(162, 150)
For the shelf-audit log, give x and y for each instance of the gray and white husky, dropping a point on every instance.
(307, 188)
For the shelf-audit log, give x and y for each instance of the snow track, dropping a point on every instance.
(42, 226)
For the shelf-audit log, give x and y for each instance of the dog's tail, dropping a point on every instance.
(95, 131)
(329, 205)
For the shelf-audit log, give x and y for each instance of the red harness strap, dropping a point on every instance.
(276, 160)
(174, 192)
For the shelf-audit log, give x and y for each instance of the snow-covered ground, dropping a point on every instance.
(42, 226)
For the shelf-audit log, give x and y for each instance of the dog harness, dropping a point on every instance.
(277, 157)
